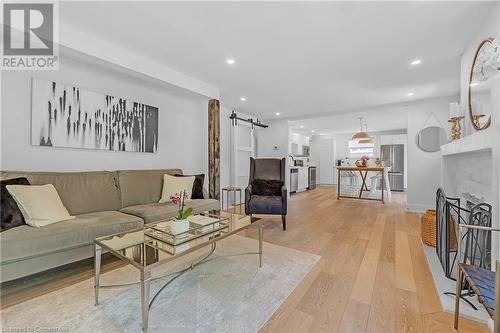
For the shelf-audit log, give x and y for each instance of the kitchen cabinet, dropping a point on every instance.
(303, 180)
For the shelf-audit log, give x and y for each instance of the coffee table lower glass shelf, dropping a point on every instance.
(153, 245)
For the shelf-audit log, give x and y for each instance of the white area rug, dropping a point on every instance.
(229, 294)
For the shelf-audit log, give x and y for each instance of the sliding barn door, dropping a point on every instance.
(242, 148)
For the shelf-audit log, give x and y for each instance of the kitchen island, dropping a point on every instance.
(363, 172)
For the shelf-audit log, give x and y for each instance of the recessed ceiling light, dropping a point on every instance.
(312, 131)
(301, 126)
(277, 113)
(415, 62)
(230, 61)
(473, 84)
(243, 98)
(410, 94)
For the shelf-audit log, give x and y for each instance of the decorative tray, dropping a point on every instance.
(199, 226)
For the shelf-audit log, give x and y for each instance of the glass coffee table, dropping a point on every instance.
(153, 245)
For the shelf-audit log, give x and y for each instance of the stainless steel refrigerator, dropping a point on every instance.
(393, 156)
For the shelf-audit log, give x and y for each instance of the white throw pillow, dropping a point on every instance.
(39, 204)
(176, 185)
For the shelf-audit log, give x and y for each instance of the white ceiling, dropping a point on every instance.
(299, 59)
(385, 118)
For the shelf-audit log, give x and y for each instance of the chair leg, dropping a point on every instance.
(283, 221)
(457, 296)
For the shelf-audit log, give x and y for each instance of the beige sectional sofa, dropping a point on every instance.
(104, 202)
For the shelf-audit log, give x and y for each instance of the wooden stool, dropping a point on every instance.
(233, 190)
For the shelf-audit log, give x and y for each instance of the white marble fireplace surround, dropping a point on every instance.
(469, 171)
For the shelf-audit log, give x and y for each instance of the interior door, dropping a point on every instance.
(243, 147)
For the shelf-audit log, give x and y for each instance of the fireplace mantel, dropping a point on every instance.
(475, 142)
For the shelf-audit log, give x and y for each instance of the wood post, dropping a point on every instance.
(214, 149)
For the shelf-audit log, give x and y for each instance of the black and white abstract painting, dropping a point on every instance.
(68, 116)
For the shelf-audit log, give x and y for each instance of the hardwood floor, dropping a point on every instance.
(373, 275)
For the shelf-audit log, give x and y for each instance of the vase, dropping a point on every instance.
(179, 226)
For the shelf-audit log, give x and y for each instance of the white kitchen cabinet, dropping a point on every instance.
(303, 179)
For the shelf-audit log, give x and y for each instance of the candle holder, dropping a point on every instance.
(456, 129)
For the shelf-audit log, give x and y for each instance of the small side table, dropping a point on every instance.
(233, 190)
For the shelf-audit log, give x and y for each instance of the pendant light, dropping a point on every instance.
(360, 135)
(369, 140)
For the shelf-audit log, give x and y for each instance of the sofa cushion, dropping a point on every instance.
(176, 186)
(80, 192)
(10, 213)
(199, 180)
(139, 187)
(41, 205)
(266, 187)
(268, 204)
(160, 211)
(25, 242)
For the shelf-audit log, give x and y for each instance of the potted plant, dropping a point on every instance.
(180, 224)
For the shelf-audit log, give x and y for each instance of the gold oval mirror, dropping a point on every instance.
(480, 82)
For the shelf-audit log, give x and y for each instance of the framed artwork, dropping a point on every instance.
(68, 116)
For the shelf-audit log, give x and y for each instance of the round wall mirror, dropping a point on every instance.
(430, 139)
(484, 69)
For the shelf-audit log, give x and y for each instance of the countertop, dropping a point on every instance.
(354, 168)
(306, 167)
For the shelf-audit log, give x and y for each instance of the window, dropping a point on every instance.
(357, 149)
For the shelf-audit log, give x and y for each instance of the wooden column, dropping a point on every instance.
(213, 149)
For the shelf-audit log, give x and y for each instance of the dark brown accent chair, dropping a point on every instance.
(266, 192)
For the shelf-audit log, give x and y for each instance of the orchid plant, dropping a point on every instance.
(364, 158)
(183, 212)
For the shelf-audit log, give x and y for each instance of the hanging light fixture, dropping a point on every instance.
(360, 135)
(369, 140)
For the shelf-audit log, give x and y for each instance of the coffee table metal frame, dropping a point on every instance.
(145, 271)
(234, 190)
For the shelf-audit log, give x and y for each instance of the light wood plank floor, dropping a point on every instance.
(373, 275)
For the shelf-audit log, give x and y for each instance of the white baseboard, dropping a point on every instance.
(417, 208)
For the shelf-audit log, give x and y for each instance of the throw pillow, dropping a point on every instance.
(10, 214)
(267, 187)
(176, 185)
(39, 204)
(199, 180)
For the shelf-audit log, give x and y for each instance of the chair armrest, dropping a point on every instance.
(248, 193)
(284, 191)
(480, 227)
(284, 198)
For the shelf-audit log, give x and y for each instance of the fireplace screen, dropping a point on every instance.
(448, 214)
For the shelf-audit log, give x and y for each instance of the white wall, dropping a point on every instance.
(274, 140)
(182, 137)
(225, 146)
(424, 175)
(323, 156)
